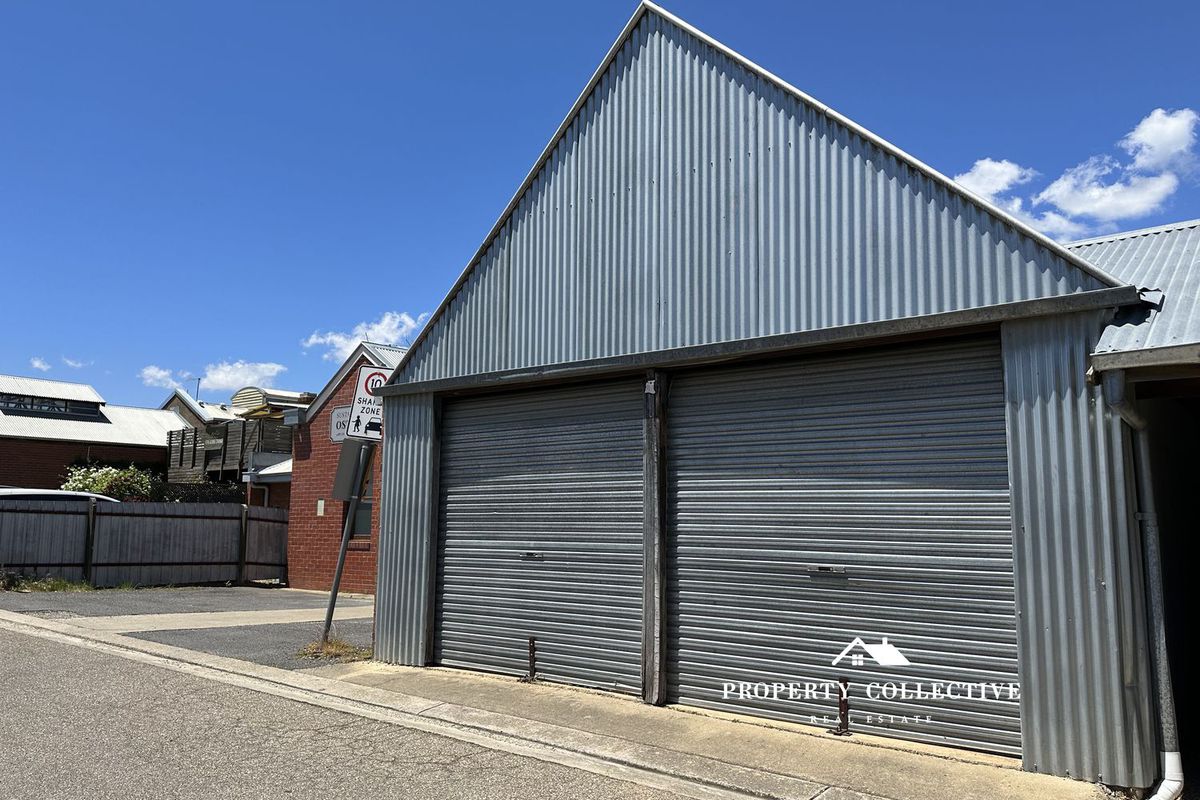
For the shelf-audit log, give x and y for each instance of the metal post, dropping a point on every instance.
(654, 539)
(364, 460)
(89, 541)
(531, 675)
(843, 725)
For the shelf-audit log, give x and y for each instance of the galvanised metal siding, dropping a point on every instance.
(896, 487)
(1167, 259)
(541, 534)
(693, 200)
(1087, 698)
(405, 565)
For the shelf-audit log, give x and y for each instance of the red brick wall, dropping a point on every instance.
(42, 464)
(313, 540)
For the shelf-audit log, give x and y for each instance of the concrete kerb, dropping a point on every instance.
(690, 774)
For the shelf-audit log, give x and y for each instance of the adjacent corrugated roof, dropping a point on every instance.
(41, 387)
(145, 427)
(1166, 258)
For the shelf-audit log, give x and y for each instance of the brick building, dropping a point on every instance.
(48, 426)
(315, 518)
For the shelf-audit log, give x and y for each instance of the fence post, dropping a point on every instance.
(243, 537)
(89, 542)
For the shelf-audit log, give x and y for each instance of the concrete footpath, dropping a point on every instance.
(683, 752)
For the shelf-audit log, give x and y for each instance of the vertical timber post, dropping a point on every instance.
(654, 478)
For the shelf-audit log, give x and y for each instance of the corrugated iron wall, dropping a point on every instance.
(692, 201)
(407, 516)
(1087, 697)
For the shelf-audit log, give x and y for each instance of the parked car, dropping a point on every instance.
(14, 493)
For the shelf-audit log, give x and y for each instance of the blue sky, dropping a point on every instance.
(226, 190)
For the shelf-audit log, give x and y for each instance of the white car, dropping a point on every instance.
(13, 493)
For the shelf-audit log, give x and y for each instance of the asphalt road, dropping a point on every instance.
(191, 599)
(77, 723)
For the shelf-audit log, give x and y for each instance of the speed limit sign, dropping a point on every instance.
(366, 415)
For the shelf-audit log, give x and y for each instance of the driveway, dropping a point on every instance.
(267, 626)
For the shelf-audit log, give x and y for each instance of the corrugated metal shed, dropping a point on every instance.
(41, 387)
(407, 516)
(1166, 258)
(693, 198)
(1086, 692)
(145, 427)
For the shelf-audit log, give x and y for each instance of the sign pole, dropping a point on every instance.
(364, 463)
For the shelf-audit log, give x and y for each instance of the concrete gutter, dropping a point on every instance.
(694, 756)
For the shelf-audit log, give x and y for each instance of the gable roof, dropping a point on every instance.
(1164, 258)
(989, 223)
(43, 387)
(207, 412)
(376, 354)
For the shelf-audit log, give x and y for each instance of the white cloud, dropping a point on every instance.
(1163, 140)
(989, 178)
(1100, 192)
(152, 375)
(222, 376)
(230, 375)
(1082, 191)
(391, 328)
(73, 364)
(39, 363)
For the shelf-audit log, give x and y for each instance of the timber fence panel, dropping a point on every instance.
(43, 537)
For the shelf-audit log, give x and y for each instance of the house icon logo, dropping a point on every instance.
(883, 654)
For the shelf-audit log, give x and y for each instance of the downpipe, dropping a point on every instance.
(1115, 393)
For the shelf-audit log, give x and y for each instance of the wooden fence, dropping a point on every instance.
(145, 544)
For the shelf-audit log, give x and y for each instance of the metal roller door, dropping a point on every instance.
(848, 496)
(541, 534)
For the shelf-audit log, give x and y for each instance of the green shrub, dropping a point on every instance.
(133, 483)
(129, 483)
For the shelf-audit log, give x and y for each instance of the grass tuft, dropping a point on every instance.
(45, 583)
(336, 650)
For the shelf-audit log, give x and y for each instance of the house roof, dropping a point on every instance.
(376, 354)
(1164, 258)
(386, 355)
(275, 473)
(971, 224)
(41, 387)
(208, 412)
(143, 427)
